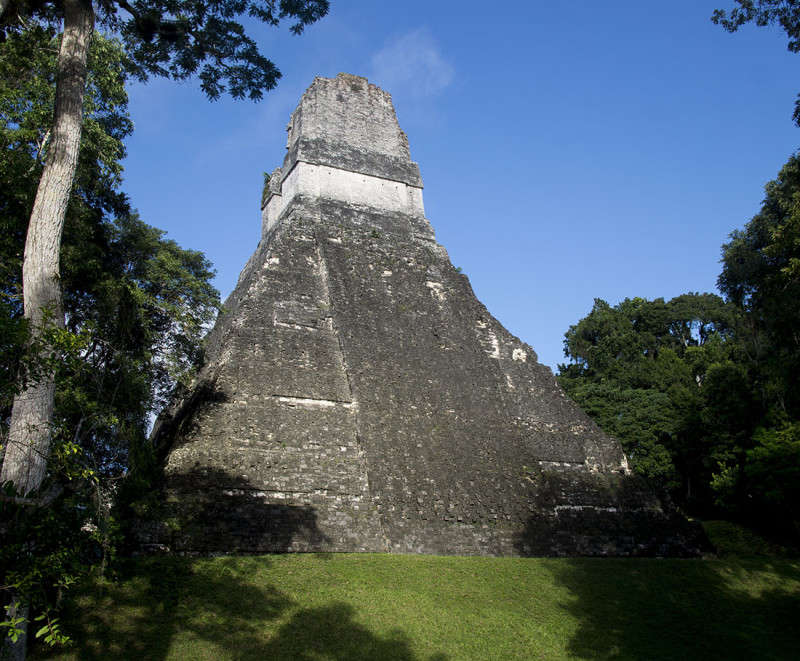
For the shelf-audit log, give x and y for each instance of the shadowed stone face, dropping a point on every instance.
(358, 397)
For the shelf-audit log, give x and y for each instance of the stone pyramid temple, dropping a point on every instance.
(358, 397)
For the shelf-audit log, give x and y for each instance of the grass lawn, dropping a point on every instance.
(319, 607)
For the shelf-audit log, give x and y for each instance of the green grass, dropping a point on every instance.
(732, 540)
(343, 607)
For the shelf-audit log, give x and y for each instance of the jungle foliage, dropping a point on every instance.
(703, 391)
(136, 307)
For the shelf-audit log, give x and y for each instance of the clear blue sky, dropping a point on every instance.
(570, 150)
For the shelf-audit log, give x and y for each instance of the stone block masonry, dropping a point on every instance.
(358, 396)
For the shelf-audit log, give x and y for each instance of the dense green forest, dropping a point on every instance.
(702, 390)
(136, 306)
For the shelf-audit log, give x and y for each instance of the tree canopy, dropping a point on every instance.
(643, 370)
(783, 13)
(761, 275)
(180, 39)
(703, 391)
(136, 307)
(167, 38)
(121, 278)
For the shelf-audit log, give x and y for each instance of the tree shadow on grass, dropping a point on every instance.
(682, 609)
(139, 617)
(223, 607)
(330, 632)
(216, 609)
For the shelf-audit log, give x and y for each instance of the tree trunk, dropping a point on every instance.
(29, 434)
(3, 7)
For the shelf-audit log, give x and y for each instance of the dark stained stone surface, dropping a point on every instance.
(358, 397)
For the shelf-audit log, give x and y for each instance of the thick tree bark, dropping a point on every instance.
(29, 434)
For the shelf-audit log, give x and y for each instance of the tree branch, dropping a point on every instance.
(42, 501)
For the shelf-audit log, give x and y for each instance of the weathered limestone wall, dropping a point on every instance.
(270, 458)
(358, 397)
(349, 124)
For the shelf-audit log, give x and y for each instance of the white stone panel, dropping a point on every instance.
(334, 184)
(270, 213)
